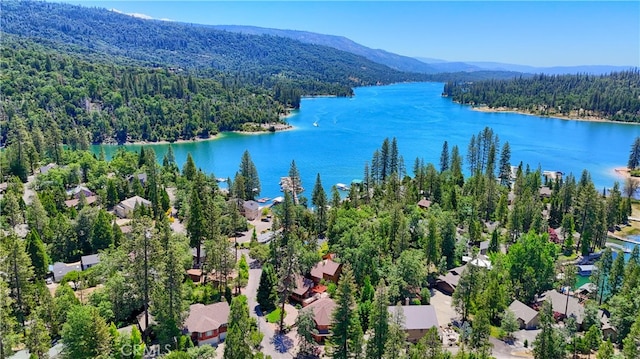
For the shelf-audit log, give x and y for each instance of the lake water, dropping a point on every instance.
(350, 129)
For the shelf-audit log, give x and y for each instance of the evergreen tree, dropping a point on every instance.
(444, 157)
(16, 266)
(84, 325)
(344, 331)
(37, 217)
(267, 289)
(378, 323)
(8, 324)
(250, 173)
(196, 224)
(429, 346)
(509, 323)
(456, 166)
(319, 201)
(480, 331)
(237, 344)
(634, 155)
(38, 340)
(397, 337)
(189, 169)
(549, 342)
(37, 253)
(112, 193)
(306, 328)
(102, 231)
(505, 165)
(616, 276)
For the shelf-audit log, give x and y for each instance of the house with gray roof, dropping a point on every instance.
(125, 208)
(89, 261)
(251, 210)
(526, 316)
(418, 320)
(564, 305)
(60, 269)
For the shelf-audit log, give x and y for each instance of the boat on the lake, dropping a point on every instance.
(263, 200)
(315, 124)
(220, 179)
(342, 186)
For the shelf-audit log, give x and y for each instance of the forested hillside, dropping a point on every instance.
(80, 102)
(263, 60)
(615, 96)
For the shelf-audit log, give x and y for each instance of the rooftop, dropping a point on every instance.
(322, 311)
(417, 316)
(203, 318)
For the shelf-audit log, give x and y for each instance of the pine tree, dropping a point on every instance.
(37, 217)
(250, 173)
(444, 157)
(37, 253)
(196, 224)
(344, 317)
(189, 170)
(378, 323)
(38, 339)
(397, 337)
(102, 232)
(634, 155)
(16, 266)
(236, 343)
(549, 342)
(306, 327)
(319, 201)
(267, 289)
(505, 165)
(8, 324)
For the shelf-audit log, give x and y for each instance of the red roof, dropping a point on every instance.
(319, 288)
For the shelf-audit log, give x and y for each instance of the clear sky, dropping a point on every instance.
(556, 33)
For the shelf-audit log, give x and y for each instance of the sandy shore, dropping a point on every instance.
(560, 117)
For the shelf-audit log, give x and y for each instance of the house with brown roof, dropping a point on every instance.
(74, 202)
(563, 305)
(424, 203)
(447, 283)
(418, 319)
(303, 289)
(526, 316)
(326, 269)
(207, 324)
(322, 311)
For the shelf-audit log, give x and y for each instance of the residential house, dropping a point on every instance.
(608, 331)
(528, 317)
(251, 210)
(142, 177)
(424, 203)
(89, 261)
(322, 311)
(563, 305)
(207, 324)
(585, 270)
(195, 275)
(544, 192)
(484, 247)
(302, 293)
(326, 269)
(143, 325)
(45, 169)
(447, 283)
(418, 320)
(60, 269)
(74, 202)
(125, 208)
(79, 191)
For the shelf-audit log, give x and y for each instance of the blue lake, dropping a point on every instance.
(350, 129)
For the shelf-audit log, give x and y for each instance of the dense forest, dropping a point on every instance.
(614, 97)
(391, 250)
(263, 60)
(84, 102)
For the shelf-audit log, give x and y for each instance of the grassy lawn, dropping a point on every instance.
(274, 316)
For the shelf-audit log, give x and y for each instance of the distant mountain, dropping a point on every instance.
(261, 60)
(472, 66)
(394, 61)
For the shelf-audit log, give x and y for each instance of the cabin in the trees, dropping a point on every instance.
(544, 192)
(125, 208)
(303, 291)
(251, 210)
(424, 203)
(79, 191)
(326, 269)
(564, 306)
(60, 269)
(89, 261)
(207, 324)
(74, 202)
(322, 311)
(527, 317)
(447, 283)
(484, 247)
(418, 320)
(142, 177)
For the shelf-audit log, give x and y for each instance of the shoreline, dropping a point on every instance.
(488, 109)
(279, 127)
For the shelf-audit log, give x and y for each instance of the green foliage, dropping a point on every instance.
(267, 289)
(37, 253)
(549, 342)
(306, 328)
(84, 325)
(613, 96)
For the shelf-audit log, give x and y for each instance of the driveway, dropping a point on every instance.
(273, 344)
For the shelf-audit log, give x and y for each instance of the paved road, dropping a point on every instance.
(268, 346)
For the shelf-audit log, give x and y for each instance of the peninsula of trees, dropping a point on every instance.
(614, 97)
